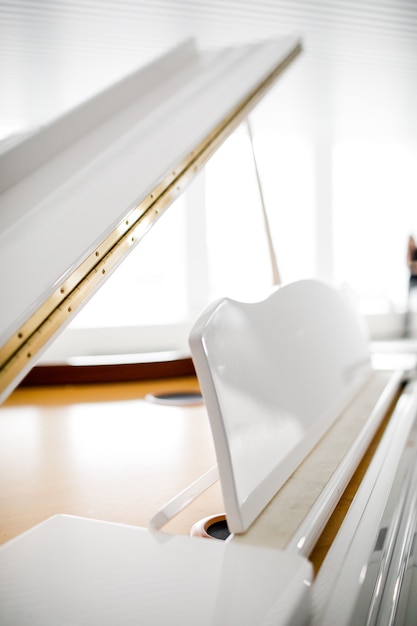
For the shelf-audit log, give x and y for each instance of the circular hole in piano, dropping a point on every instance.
(213, 527)
(177, 398)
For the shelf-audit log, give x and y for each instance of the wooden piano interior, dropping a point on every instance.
(58, 455)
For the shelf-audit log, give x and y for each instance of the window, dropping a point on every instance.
(375, 201)
(341, 197)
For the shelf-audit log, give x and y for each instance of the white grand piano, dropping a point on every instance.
(291, 394)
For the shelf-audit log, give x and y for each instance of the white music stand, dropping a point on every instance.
(274, 376)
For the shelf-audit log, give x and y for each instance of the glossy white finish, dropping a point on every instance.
(183, 499)
(70, 570)
(342, 575)
(65, 188)
(308, 532)
(274, 375)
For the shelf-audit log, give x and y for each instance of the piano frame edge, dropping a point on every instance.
(340, 582)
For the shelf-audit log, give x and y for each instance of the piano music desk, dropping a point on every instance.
(103, 452)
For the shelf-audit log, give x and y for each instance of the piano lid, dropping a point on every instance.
(77, 195)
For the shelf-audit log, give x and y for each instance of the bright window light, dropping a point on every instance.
(240, 266)
(374, 209)
(149, 287)
(287, 173)
(212, 241)
(169, 278)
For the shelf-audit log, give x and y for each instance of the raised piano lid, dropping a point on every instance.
(275, 375)
(77, 195)
(77, 571)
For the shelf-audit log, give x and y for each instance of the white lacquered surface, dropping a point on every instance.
(275, 375)
(76, 571)
(344, 592)
(66, 189)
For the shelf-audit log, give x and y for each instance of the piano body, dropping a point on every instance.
(303, 549)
